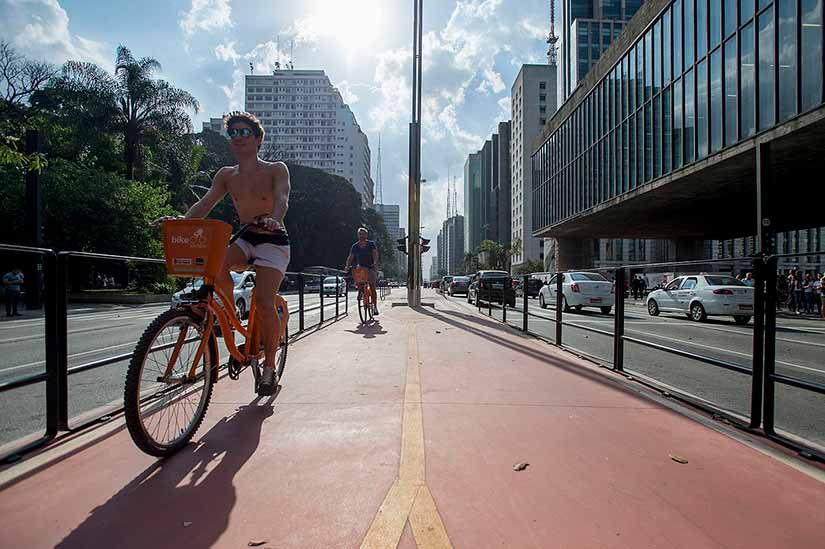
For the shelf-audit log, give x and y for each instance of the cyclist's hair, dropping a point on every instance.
(246, 118)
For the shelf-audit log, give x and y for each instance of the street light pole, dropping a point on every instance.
(414, 200)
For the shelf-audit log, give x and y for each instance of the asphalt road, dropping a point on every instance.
(800, 353)
(95, 333)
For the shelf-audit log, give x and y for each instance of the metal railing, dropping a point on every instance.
(56, 275)
(760, 415)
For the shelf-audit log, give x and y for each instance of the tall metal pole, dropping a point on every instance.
(414, 205)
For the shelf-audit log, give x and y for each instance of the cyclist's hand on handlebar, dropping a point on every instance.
(268, 223)
(159, 221)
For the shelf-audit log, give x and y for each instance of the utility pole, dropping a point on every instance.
(414, 193)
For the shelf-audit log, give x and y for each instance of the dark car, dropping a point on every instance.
(459, 285)
(533, 287)
(496, 286)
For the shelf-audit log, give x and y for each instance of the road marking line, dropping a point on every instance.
(409, 498)
(728, 351)
(75, 355)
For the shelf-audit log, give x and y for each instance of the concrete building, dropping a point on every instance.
(503, 183)
(307, 122)
(473, 232)
(216, 125)
(451, 246)
(391, 214)
(693, 126)
(533, 97)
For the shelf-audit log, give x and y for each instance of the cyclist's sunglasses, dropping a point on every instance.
(239, 132)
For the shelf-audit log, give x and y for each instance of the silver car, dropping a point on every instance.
(330, 286)
(579, 289)
(703, 295)
(242, 292)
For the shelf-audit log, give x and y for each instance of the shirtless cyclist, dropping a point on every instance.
(260, 192)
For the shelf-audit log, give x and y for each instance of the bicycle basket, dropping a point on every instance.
(195, 247)
(360, 275)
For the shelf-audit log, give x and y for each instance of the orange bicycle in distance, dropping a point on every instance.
(175, 364)
(361, 276)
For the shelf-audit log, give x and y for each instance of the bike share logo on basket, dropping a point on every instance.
(196, 240)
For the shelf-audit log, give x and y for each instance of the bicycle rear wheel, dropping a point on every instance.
(164, 412)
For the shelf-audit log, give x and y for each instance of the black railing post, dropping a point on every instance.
(337, 293)
(321, 291)
(559, 301)
(618, 320)
(524, 312)
(769, 356)
(300, 302)
(757, 364)
(52, 345)
(504, 306)
(346, 296)
(62, 334)
(478, 294)
(490, 299)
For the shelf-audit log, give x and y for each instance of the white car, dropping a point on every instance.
(242, 292)
(704, 295)
(330, 286)
(579, 289)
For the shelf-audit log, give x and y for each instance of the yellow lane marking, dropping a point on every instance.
(409, 498)
(425, 521)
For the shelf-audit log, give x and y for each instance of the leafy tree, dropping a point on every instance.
(495, 255)
(530, 266)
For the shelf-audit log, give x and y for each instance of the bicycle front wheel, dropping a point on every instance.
(164, 406)
(362, 307)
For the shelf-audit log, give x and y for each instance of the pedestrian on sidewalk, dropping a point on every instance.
(13, 282)
(822, 297)
(748, 280)
(808, 293)
(792, 295)
(818, 294)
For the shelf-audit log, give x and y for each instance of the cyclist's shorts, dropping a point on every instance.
(373, 276)
(262, 250)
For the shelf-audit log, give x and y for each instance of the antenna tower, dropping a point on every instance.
(552, 39)
(379, 189)
(292, 54)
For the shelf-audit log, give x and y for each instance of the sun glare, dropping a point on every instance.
(354, 24)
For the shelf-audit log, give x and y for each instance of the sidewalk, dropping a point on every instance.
(406, 433)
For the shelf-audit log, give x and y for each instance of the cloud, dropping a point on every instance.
(40, 29)
(491, 81)
(206, 15)
(534, 31)
(349, 96)
(226, 52)
(505, 107)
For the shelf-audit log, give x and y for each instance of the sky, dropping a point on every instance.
(472, 53)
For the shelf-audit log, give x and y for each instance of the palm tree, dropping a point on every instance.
(143, 106)
(147, 105)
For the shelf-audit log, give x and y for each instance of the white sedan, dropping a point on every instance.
(335, 285)
(244, 284)
(579, 289)
(701, 296)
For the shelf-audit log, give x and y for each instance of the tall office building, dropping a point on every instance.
(451, 246)
(588, 27)
(307, 122)
(473, 234)
(533, 97)
(502, 183)
(391, 214)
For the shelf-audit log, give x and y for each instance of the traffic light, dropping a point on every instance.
(402, 245)
(424, 245)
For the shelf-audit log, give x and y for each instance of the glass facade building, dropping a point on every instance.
(702, 76)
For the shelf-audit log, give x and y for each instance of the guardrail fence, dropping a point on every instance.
(756, 363)
(63, 391)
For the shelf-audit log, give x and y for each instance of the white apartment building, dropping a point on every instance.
(215, 125)
(308, 123)
(533, 98)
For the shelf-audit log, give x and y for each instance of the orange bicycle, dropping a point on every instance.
(361, 276)
(175, 364)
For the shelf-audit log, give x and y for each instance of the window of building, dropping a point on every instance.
(702, 108)
(731, 67)
(542, 85)
(689, 133)
(811, 48)
(787, 58)
(716, 100)
(677, 124)
(688, 19)
(766, 70)
(747, 77)
(542, 97)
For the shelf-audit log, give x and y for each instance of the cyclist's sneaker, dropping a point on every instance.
(269, 382)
